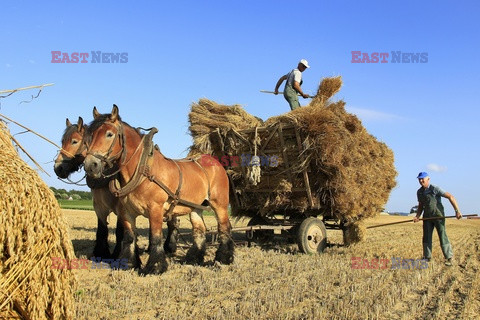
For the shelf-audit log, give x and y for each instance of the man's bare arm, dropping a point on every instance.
(296, 86)
(419, 212)
(454, 204)
(279, 83)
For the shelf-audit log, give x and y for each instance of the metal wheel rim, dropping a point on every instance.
(314, 237)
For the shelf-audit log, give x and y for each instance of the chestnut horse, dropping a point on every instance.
(71, 159)
(158, 188)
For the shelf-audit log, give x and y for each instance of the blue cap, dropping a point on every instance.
(422, 175)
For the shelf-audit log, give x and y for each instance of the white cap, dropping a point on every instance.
(305, 63)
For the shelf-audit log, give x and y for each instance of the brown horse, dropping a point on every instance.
(71, 159)
(158, 188)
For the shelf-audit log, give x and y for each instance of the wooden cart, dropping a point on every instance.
(280, 149)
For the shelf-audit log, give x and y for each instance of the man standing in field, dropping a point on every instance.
(429, 201)
(292, 86)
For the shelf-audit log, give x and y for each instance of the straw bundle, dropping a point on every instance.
(207, 116)
(354, 232)
(351, 173)
(32, 231)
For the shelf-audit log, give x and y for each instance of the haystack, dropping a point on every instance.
(32, 231)
(350, 172)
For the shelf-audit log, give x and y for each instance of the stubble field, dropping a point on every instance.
(277, 282)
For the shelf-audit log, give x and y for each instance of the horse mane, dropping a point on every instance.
(69, 131)
(99, 121)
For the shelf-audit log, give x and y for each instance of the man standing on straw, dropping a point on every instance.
(292, 86)
(429, 201)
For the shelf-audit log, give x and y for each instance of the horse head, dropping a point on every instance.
(73, 151)
(106, 143)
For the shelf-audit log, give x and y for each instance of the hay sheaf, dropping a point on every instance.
(351, 173)
(33, 230)
(354, 232)
(207, 116)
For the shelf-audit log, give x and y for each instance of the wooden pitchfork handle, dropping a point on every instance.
(423, 219)
(280, 92)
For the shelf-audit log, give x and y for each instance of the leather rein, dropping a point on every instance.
(143, 171)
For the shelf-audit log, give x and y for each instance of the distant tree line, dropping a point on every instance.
(75, 194)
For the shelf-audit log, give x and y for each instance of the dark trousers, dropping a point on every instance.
(428, 227)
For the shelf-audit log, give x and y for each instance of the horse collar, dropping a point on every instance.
(142, 169)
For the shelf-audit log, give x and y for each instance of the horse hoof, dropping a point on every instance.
(155, 268)
(195, 256)
(127, 262)
(101, 252)
(224, 253)
(133, 265)
(194, 260)
(224, 259)
(116, 253)
(170, 248)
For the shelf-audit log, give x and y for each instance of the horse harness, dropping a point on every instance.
(143, 171)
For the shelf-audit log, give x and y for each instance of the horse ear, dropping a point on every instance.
(80, 124)
(96, 114)
(68, 123)
(114, 114)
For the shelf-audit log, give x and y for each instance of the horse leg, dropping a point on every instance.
(119, 237)
(196, 253)
(102, 210)
(170, 245)
(101, 249)
(157, 261)
(225, 249)
(129, 252)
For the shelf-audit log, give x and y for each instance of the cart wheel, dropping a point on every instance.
(312, 236)
(260, 236)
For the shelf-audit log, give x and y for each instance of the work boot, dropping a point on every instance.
(448, 262)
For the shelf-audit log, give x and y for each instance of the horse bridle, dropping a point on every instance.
(74, 159)
(107, 159)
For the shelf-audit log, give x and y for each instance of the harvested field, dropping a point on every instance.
(276, 282)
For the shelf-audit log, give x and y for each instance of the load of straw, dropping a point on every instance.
(207, 116)
(32, 231)
(351, 173)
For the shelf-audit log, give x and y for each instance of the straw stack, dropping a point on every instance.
(351, 173)
(207, 117)
(32, 231)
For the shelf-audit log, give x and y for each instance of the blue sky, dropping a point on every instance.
(227, 51)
